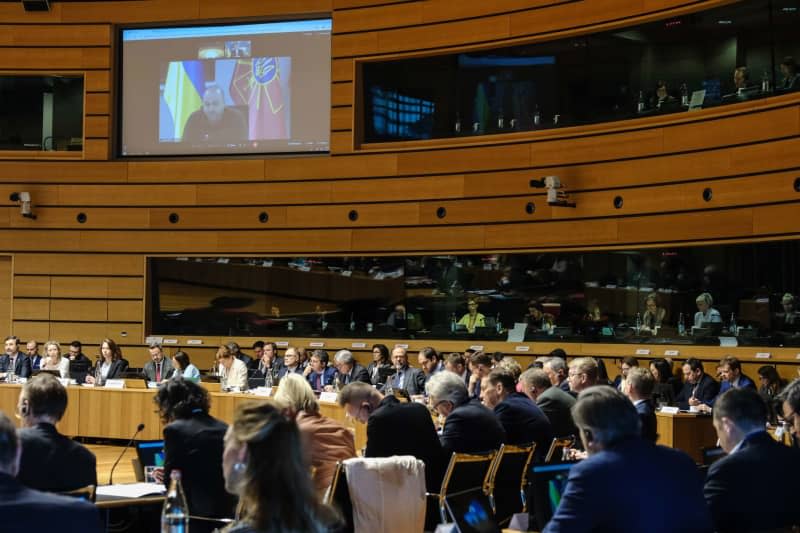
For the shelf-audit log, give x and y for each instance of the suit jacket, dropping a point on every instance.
(318, 381)
(194, 446)
(524, 422)
(36, 362)
(52, 462)
(754, 488)
(25, 510)
(396, 428)
(325, 441)
(647, 415)
(374, 377)
(413, 381)
(22, 365)
(149, 369)
(707, 390)
(115, 372)
(357, 373)
(564, 385)
(470, 428)
(556, 405)
(662, 493)
(282, 371)
(744, 383)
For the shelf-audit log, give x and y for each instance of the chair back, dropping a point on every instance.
(508, 479)
(87, 493)
(557, 447)
(464, 472)
(338, 496)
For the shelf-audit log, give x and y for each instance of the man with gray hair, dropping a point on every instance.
(348, 370)
(25, 509)
(583, 373)
(556, 370)
(740, 418)
(469, 427)
(554, 402)
(596, 500)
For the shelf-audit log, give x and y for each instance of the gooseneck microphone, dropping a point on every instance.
(139, 429)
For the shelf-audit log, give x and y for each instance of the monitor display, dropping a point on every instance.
(471, 512)
(547, 485)
(226, 89)
(150, 453)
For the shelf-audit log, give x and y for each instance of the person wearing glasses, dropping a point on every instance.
(395, 428)
(583, 374)
(790, 403)
(473, 319)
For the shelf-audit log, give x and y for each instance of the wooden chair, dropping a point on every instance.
(464, 472)
(557, 447)
(508, 479)
(87, 493)
(338, 496)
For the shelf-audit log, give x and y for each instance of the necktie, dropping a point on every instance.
(158, 371)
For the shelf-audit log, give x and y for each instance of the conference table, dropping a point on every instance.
(105, 413)
(690, 432)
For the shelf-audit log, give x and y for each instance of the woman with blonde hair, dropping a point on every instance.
(53, 360)
(263, 466)
(325, 441)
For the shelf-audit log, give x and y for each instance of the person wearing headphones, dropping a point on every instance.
(50, 461)
(395, 428)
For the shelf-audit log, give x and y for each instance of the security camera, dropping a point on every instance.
(24, 199)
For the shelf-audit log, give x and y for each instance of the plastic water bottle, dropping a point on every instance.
(684, 95)
(638, 322)
(681, 326)
(453, 323)
(352, 322)
(498, 326)
(175, 513)
(537, 117)
(268, 380)
(640, 103)
(457, 126)
(10, 377)
(732, 328)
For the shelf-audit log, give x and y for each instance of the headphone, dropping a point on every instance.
(23, 409)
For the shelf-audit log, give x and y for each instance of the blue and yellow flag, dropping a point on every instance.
(183, 92)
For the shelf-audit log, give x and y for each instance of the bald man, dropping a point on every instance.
(214, 122)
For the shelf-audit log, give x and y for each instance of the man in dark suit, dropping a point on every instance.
(469, 426)
(348, 370)
(556, 369)
(406, 378)
(753, 488)
(50, 461)
(638, 386)
(554, 402)
(480, 365)
(79, 364)
(318, 373)
(520, 417)
(430, 362)
(25, 510)
(699, 388)
(732, 378)
(395, 428)
(32, 351)
(455, 363)
(159, 368)
(14, 360)
(595, 498)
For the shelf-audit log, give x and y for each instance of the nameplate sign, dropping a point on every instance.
(170, 341)
(403, 346)
(477, 347)
(522, 348)
(282, 344)
(330, 397)
(115, 384)
(359, 345)
(669, 410)
(642, 351)
(153, 340)
(316, 344)
(763, 355)
(263, 391)
(194, 341)
(347, 273)
(672, 353)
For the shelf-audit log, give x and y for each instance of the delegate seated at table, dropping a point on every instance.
(473, 319)
(653, 315)
(705, 312)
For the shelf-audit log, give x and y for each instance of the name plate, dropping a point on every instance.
(763, 355)
(328, 397)
(477, 347)
(358, 345)
(282, 344)
(346, 273)
(263, 391)
(154, 340)
(403, 346)
(170, 341)
(194, 341)
(669, 410)
(115, 384)
(522, 348)
(316, 344)
(642, 351)
(672, 353)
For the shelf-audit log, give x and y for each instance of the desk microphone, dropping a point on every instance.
(139, 428)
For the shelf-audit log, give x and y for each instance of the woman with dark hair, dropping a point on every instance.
(275, 496)
(380, 359)
(602, 373)
(110, 364)
(184, 367)
(771, 386)
(663, 391)
(193, 444)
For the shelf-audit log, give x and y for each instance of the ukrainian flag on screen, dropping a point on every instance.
(183, 93)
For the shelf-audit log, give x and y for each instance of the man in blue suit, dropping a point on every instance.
(638, 387)
(754, 487)
(523, 420)
(627, 485)
(732, 378)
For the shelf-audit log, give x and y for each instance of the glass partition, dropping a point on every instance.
(41, 112)
(734, 53)
(703, 295)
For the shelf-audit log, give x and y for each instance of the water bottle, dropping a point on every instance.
(289, 326)
(638, 322)
(684, 95)
(323, 323)
(501, 121)
(640, 103)
(537, 117)
(681, 326)
(732, 328)
(498, 325)
(457, 126)
(453, 323)
(352, 322)
(175, 513)
(765, 84)
(268, 377)
(10, 377)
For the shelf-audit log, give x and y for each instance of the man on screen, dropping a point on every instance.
(214, 122)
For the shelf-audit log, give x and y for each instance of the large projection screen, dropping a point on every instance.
(226, 89)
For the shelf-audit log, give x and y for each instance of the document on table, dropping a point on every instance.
(131, 490)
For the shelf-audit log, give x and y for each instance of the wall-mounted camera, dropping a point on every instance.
(555, 196)
(24, 199)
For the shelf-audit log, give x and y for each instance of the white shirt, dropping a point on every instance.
(236, 376)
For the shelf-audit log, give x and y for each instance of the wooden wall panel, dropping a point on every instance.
(36, 286)
(79, 310)
(55, 59)
(77, 286)
(31, 309)
(125, 310)
(39, 331)
(132, 287)
(196, 171)
(54, 35)
(80, 264)
(97, 126)
(97, 104)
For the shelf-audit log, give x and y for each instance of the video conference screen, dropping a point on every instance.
(233, 89)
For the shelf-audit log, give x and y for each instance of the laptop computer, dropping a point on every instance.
(471, 512)
(148, 454)
(547, 484)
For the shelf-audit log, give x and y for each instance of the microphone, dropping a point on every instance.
(139, 429)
